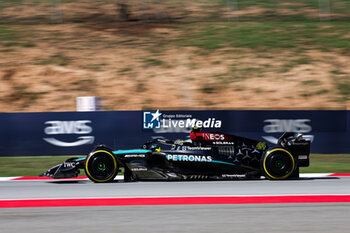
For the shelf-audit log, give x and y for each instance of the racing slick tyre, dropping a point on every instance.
(101, 166)
(277, 164)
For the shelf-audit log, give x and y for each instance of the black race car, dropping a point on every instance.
(206, 156)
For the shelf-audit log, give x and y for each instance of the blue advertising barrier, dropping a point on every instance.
(76, 133)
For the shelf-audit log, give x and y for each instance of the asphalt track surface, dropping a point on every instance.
(292, 217)
(87, 189)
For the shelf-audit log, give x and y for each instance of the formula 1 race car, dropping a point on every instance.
(211, 156)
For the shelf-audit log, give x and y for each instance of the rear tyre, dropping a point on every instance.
(277, 164)
(296, 173)
(101, 166)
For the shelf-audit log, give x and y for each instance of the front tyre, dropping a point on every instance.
(101, 166)
(277, 164)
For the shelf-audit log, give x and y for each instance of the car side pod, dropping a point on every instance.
(68, 169)
(277, 164)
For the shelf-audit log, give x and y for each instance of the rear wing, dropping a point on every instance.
(297, 145)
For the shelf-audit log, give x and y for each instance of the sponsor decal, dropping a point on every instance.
(135, 156)
(138, 169)
(69, 164)
(189, 158)
(190, 123)
(303, 157)
(261, 146)
(151, 120)
(223, 143)
(287, 125)
(214, 137)
(79, 127)
(300, 144)
(195, 148)
(176, 123)
(233, 176)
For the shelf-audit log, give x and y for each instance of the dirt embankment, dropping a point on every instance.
(139, 64)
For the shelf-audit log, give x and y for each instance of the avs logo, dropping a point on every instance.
(80, 127)
(151, 120)
(287, 125)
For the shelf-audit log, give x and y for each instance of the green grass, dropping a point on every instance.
(7, 34)
(290, 64)
(94, 67)
(275, 3)
(344, 88)
(28, 166)
(33, 166)
(153, 62)
(321, 92)
(125, 70)
(208, 89)
(11, 38)
(272, 7)
(22, 93)
(19, 44)
(311, 82)
(337, 72)
(328, 163)
(57, 59)
(141, 86)
(265, 36)
(260, 33)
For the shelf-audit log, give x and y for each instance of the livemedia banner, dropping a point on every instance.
(76, 133)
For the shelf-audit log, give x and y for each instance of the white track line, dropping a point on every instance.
(303, 175)
(170, 196)
(314, 175)
(9, 178)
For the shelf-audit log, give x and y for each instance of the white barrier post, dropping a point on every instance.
(88, 103)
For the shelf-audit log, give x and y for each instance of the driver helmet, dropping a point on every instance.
(298, 136)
